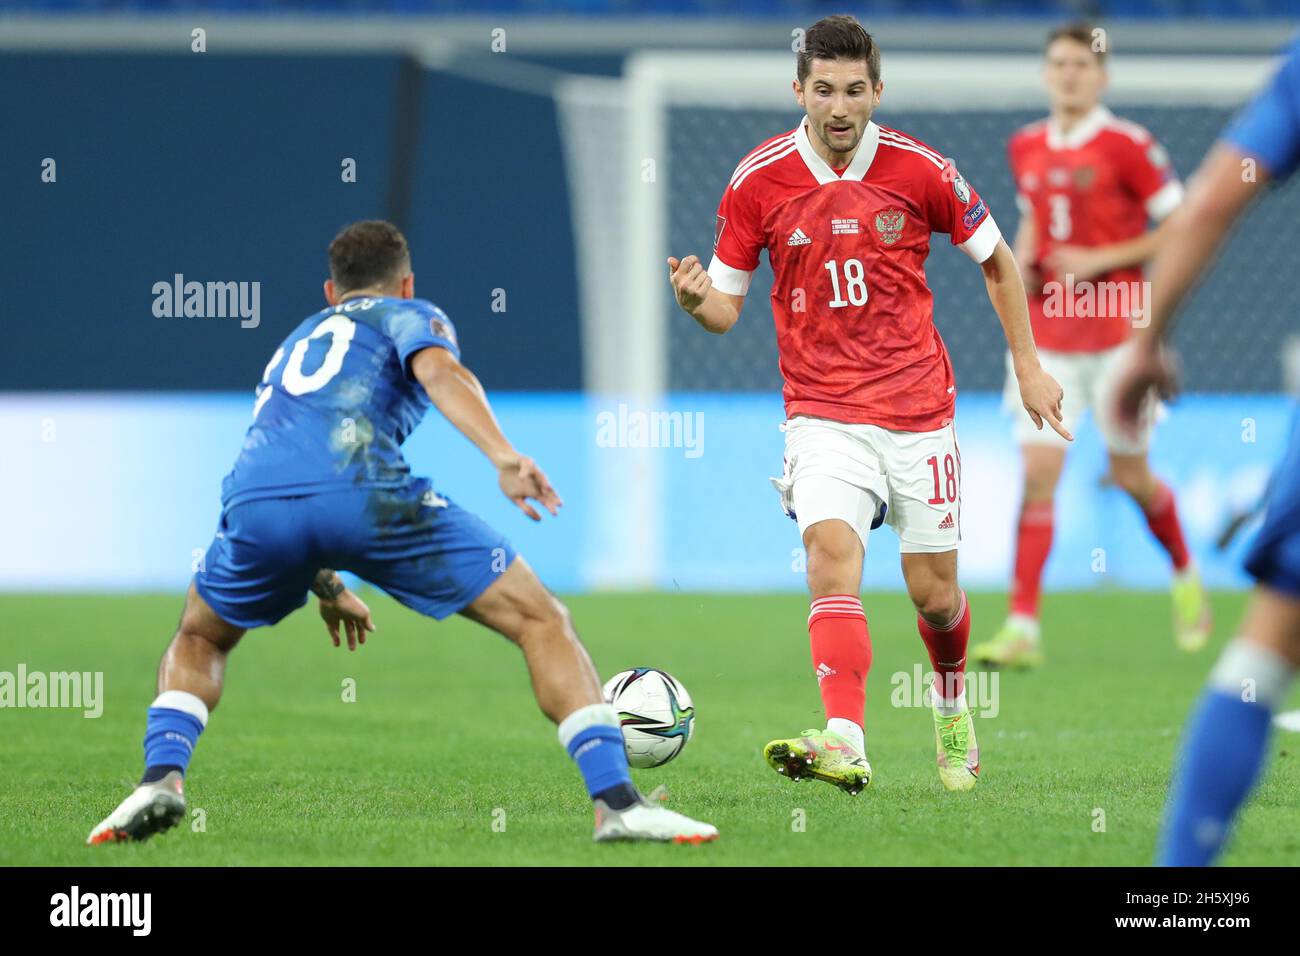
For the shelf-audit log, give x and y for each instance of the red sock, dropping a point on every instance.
(1033, 544)
(947, 647)
(841, 654)
(1162, 519)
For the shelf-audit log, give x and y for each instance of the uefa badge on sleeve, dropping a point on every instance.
(442, 330)
(960, 187)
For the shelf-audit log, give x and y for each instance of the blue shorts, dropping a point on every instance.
(424, 550)
(1274, 555)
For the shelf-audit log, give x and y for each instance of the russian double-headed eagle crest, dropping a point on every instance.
(890, 224)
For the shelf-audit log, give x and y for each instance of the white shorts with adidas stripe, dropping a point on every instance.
(866, 475)
(1087, 379)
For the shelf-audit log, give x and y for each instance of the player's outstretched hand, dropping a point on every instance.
(1148, 366)
(350, 611)
(521, 480)
(1082, 262)
(690, 280)
(1042, 396)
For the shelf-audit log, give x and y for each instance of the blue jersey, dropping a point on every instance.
(337, 400)
(1268, 129)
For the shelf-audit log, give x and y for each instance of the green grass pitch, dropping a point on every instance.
(443, 757)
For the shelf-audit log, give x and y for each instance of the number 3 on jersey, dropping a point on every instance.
(1060, 226)
(340, 329)
(855, 283)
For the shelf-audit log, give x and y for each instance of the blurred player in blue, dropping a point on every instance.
(1227, 735)
(321, 484)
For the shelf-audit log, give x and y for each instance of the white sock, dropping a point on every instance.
(593, 715)
(951, 708)
(1252, 672)
(185, 702)
(1027, 624)
(934, 698)
(849, 731)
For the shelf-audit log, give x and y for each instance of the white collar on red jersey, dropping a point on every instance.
(859, 165)
(1084, 130)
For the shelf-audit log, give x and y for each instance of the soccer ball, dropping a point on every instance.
(655, 712)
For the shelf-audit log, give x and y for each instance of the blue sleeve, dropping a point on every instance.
(1269, 127)
(417, 325)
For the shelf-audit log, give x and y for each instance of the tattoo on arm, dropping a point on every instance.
(327, 585)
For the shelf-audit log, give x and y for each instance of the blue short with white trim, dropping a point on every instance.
(1274, 555)
(418, 546)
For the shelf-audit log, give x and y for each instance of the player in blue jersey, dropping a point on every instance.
(320, 483)
(1227, 735)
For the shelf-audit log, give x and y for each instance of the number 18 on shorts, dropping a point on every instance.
(867, 476)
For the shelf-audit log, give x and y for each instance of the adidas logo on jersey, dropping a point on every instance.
(946, 524)
(797, 238)
(824, 671)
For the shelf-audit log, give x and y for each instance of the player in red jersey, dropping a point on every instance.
(1088, 184)
(845, 209)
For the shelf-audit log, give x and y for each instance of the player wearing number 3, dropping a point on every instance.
(1087, 184)
(845, 209)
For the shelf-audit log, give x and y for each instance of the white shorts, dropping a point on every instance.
(1086, 378)
(867, 476)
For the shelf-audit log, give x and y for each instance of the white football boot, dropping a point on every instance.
(151, 808)
(649, 820)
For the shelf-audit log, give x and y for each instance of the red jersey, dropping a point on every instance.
(1096, 185)
(854, 325)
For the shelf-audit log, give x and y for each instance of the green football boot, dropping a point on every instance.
(1192, 618)
(959, 754)
(1015, 646)
(820, 755)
